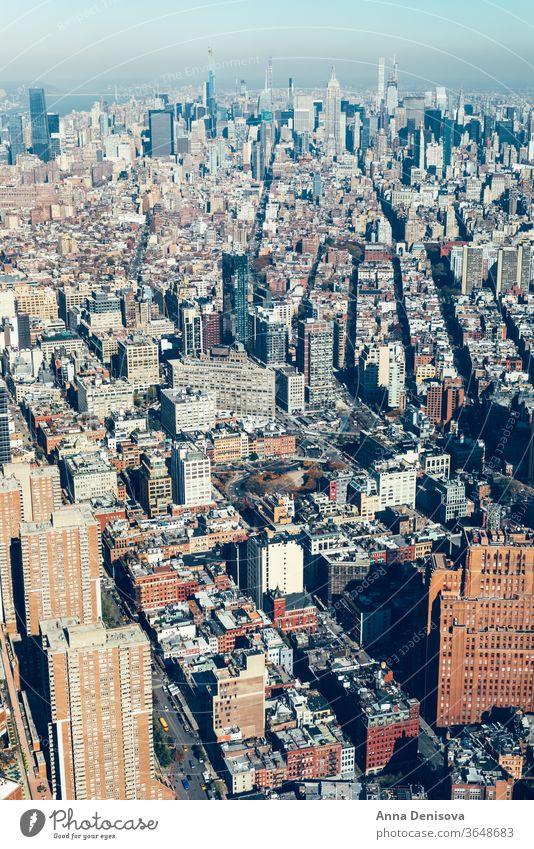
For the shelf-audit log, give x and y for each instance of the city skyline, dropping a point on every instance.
(478, 45)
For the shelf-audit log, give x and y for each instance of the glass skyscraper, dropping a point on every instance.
(16, 137)
(235, 298)
(39, 121)
(161, 128)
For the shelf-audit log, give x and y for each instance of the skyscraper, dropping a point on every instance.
(100, 723)
(52, 120)
(472, 269)
(381, 87)
(392, 92)
(39, 123)
(161, 131)
(191, 329)
(211, 102)
(28, 494)
(484, 644)
(16, 137)
(235, 298)
(61, 567)
(315, 352)
(334, 140)
(5, 445)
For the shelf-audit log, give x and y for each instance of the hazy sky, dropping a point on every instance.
(84, 45)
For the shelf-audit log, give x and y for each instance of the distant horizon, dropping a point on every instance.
(480, 45)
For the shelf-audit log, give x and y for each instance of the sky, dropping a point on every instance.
(76, 46)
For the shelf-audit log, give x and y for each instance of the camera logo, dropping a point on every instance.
(32, 822)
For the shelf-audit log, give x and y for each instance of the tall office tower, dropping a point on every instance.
(235, 298)
(334, 140)
(270, 341)
(211, 102)
(484, 643)
(16, 137)
(442, 100)
(315, 351)
(472, 269)
(381, 88)
(5, 444)
(514, 268)
(161, 132)
(269, 76)
(274, 561)
(191, 329)
(392, 91)
(61, 567)
(52, 120)
(257, 161)
(448, 141)
(191, 476)
(290, 94)
(100, 724)
(26, 494)
(39, 123)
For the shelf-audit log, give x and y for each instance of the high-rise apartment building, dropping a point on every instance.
(483, 605)
(39, 124)
(61, 567)
(27, 494)
(315, 351)
(472, 268)
(100, 695)
(514, 268)
(5, 444)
